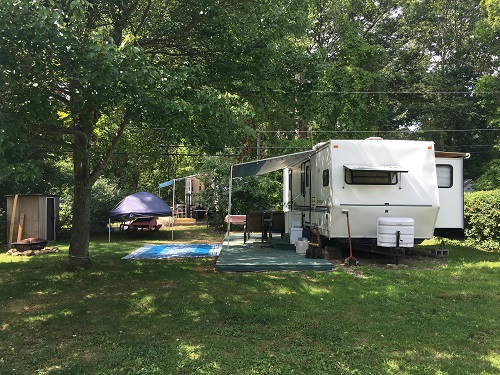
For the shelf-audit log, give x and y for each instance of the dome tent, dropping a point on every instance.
(140, 204)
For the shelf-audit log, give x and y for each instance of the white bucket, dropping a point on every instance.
(301, 246)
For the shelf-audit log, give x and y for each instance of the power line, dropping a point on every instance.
(402, 131)
(406, 92)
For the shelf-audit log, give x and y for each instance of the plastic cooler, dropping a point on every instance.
(295, 234)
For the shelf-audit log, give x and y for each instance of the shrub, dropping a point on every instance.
(105, 195)
(482, 218)
(3, 227)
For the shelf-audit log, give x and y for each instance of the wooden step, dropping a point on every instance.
(185, 221)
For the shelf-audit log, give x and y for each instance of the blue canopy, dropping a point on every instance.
(165, 184)
(141, 204)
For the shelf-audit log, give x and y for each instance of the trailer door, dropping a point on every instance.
(306, 170)
(450, 220)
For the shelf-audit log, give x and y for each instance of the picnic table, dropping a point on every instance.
(237, 219)
(144, 224)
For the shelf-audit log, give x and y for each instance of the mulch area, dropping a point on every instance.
(46, 250)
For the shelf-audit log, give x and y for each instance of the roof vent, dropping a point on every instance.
(374, 139)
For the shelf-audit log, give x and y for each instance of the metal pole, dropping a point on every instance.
(173, 212)
(229, 205)
(286, 189)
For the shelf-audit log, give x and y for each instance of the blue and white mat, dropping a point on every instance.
(168, 251)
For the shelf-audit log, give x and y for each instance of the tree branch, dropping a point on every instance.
(143, 18)
(99, 169)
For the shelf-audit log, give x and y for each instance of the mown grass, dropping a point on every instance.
(182, 317)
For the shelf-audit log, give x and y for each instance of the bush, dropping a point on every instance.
(3, 226)
(482, 218)
(105, 195)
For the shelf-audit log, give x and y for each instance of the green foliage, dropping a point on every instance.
(257, 193)
(105, 195)
(482, 218)
(214, 174)
(248, 194)
(3, 226)
(490, 180)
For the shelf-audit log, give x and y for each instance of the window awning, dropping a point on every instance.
(263, 166)
(447, 154)
(379, 168)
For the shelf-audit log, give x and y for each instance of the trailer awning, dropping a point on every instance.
(447, 154)
(379, 168)
(263, 166)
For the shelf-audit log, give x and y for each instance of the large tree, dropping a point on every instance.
(82, 74)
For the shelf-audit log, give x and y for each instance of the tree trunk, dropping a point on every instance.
(84, 179)
(80, 231)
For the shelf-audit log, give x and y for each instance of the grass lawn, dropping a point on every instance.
(434, 316)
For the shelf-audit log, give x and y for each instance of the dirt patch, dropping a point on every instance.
(417, 259)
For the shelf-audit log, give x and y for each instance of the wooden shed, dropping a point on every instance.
(34, 216)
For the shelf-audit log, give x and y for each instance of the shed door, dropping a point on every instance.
(51, 219)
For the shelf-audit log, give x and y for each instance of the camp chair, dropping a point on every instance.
(278, 224)
(253, 224)
(267, 224)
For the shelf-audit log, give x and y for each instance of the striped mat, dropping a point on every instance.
(168, 251)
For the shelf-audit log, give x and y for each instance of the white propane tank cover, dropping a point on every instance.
(388, 228)
(295, 234)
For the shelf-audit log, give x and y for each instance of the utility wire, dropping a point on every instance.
(402, 131)
(407, 92)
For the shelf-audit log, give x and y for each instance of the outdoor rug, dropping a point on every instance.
(169, 251)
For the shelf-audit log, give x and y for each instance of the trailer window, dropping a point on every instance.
(444, 175)
(326, 177)
(370, 177)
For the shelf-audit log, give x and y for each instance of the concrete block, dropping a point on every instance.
(440, 252)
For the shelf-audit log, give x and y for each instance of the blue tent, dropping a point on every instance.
(141, 204)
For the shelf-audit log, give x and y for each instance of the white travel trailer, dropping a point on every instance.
(384, 195)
